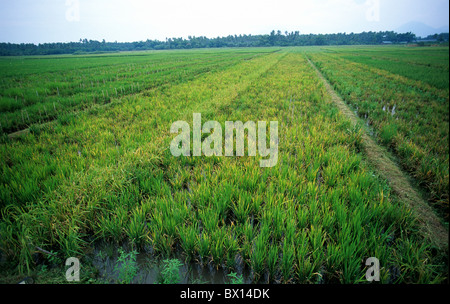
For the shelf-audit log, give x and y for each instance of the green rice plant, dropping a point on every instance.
(166, 217)
(188, 238)
(278, 218)
(304, 269)
(25, 251)
(209, 219)
(248, 231)
(162, 243)
(302, 217)
(242, 208)
(258, 255)
(137, 230)
(328, 218)
(223, 201)
(352, 248)
(287, 260)
(317, 239)
(66, 119)
(232, 248)
(217, 246)
(70, 238)
(203, 241)
(272, 260)
(290, 229)
(113, 226)
(35, 129)
(150, 184)
(388, 133)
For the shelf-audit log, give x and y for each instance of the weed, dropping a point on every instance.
(126, 266)
(235, 278)
(170, 273)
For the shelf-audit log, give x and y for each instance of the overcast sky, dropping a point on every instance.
(39, 21)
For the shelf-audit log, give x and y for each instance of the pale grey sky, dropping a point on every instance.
(39, 21)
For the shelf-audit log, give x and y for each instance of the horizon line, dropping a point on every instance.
(215, 37)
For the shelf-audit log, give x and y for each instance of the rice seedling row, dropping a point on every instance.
(408, 116)
(39, 97)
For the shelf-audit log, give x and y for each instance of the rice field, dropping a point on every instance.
(95, 163)
(403, 94)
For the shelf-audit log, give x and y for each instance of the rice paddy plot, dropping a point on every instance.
(107, 175)
(406, 104)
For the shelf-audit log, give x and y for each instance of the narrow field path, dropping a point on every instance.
(430, 223)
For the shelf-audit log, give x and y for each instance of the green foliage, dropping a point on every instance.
(170, 273)
(126, 266)
(388, 133)
(36, 129)
(235, 278)
(54, 258)
(66, 119)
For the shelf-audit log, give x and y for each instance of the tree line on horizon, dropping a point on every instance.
(275, 38)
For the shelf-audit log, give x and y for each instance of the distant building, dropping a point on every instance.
(386, 42)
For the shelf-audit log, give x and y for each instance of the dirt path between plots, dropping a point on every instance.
(430, 224)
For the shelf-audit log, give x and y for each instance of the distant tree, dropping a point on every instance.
(275, 38)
